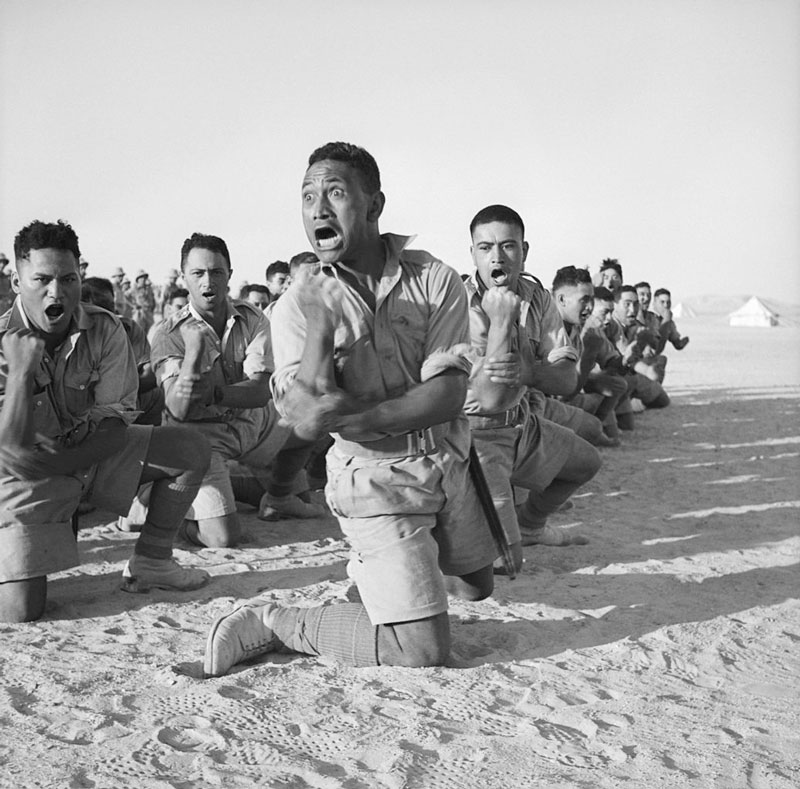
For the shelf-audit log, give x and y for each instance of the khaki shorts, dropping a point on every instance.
(35, 515)
(255, 445)
(409, 520)
(528, 456)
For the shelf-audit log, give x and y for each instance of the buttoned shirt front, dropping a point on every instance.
(418, 329)
(243, 351)
(91, 376)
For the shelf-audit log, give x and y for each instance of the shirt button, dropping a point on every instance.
(81, 387)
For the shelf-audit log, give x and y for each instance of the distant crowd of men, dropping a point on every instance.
(446, 417)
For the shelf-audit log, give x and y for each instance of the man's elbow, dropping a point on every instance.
(454, 393)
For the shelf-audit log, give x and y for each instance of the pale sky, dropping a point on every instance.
(664, 133)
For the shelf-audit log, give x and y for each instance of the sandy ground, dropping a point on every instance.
(664, 653)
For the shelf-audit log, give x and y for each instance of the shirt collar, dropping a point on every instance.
(231, 313)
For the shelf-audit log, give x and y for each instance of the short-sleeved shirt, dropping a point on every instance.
(624, 338)
(91, 377)
(417, 330)
(540, 325)
(244, 350)
(608, 350)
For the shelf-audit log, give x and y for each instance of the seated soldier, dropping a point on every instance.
(257, 295)
(277, 277)
(177, 299)
(662, 304)
(630, 341)
(68, 387)
(150, 399)
(573, 296)
(653, 337)
(214, 361)
(608, 376)
(512, 325)
(609, 276)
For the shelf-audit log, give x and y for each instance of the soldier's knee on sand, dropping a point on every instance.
(221, 532)
(473, 586)
(424, 642)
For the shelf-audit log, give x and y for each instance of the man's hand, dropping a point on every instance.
(311, 415)
(665, 313)
(504, 369)
(501, 304)
(194, 387)
(592, 341)
(23, 351)
(593, 322)
(193, 340)
(320, 298)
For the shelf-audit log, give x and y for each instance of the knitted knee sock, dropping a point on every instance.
(287, 465)
(342, 631)
(169, 501)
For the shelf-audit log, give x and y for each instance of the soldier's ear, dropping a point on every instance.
(15, 280)
(376, 204)
(525, 248)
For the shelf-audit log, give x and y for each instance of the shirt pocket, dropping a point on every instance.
(79, 386)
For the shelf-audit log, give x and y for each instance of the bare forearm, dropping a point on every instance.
(16, 418)
(316, 366)
(494, 396)
(585, 366)
(431, 403)
(176, 402)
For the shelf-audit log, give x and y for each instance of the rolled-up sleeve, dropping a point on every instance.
(447, 342)
(258, 356)
(287, 332)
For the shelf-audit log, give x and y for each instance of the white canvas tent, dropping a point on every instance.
(682, 310)
(753, 313)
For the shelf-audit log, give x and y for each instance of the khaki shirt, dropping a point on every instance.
(419, 329)
(91, 377)
(540, 325)
(243, 351)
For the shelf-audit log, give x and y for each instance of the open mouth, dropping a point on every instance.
(208, 294)
(54, 311)
(326, 238)
(499, 277)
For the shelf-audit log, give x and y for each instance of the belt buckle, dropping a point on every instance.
(420, 442)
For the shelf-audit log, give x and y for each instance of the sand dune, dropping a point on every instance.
(664, 653)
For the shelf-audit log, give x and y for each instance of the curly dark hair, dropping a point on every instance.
(46, 235)
(358, 158)
(201, 241)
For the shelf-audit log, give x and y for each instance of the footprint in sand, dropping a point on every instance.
(199, 737)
